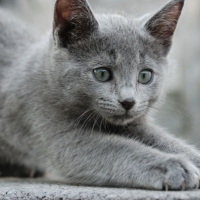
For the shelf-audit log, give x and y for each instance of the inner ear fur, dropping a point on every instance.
(73, 20)
(163, 24)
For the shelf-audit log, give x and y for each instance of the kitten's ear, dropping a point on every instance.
(73, 20)
(163, 24)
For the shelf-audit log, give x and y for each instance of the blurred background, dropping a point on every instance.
(180, 113)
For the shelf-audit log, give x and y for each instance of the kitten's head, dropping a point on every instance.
(111, 64)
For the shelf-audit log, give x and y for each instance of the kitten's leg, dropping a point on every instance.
(105, 160)
(158, 138)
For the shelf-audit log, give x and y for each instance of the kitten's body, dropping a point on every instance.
(17, 46)
(54, 115)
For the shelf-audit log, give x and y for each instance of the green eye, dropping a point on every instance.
(102, 74)
(145, 76)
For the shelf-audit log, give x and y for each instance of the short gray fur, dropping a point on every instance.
(54, 115)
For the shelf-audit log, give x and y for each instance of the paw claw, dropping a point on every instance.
(197, 184)
(166, 187)
(183, 185)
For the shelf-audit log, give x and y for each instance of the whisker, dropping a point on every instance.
(77, 121)
(193, 124)
(86, 121)
(101, 123)
(95, 121)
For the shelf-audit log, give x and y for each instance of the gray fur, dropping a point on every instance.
(54, 116)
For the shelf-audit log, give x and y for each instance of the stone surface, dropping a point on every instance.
(11, 189)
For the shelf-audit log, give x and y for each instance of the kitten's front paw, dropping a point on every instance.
(179, 174)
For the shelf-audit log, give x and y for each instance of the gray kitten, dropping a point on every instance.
(75, 103)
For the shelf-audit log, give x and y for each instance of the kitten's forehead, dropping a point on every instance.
(121, 33)
(131, 42)
(119, 41)
(124, 39)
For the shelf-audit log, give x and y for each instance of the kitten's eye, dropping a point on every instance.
(145, 76)
(102, 74)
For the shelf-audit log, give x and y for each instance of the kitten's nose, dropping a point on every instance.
(128, 104)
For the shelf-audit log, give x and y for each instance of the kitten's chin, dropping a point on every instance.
(120, 120)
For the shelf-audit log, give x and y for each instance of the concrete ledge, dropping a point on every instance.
(11, 189)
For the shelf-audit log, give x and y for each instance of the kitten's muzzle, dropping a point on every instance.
(128, 104)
